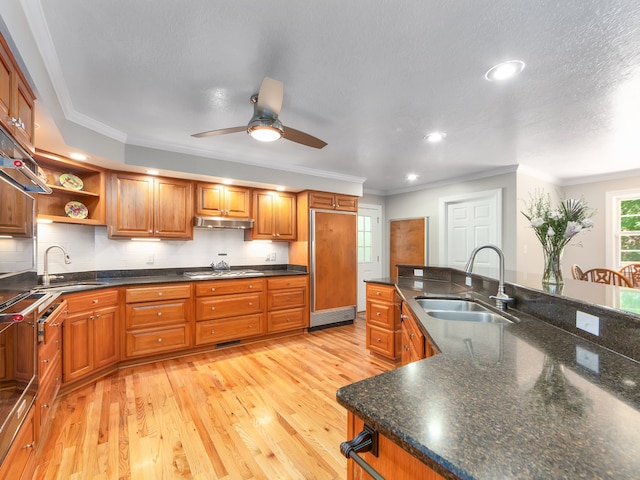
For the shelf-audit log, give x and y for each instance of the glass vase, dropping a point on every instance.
(552, 275)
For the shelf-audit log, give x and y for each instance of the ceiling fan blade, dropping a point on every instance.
(297, 136)
(270, 97)
(223, 131)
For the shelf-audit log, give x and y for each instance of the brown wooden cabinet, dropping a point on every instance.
(217, 200)
(92, 194)
(158, 319)
(90, 334)
(287, 303)
(392, 461)
(383, 320)
(17, 101)
(333, 201)
(146, 206)
(15, 218)
(275, 216)
(414, 344)
(20, 464)
(49, 364)
(228, 310)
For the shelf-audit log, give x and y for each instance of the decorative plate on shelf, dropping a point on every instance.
(42, 175)
(75, 209)
(69, 180)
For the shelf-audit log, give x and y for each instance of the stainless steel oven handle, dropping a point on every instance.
(44, 301)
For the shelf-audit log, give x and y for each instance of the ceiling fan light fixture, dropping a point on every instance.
(265, 129)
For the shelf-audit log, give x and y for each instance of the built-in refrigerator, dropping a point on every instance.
(333, 267)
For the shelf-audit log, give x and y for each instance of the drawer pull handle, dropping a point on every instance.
(29, 445)
(160, 340)
(403, 316)
(159, 314)
(159, 294)
(378, 340)
(377, 314)
(213, 308)
(378, 293)
(46, 405)
(250, 286)
(213, 289)
(411, 335)
(55, 324)
(250, 304)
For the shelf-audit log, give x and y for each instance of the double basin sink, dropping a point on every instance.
(461, 310)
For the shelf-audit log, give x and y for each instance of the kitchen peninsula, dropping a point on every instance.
(535, 398)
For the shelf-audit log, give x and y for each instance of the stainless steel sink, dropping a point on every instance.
(450, 305)
(462, 316)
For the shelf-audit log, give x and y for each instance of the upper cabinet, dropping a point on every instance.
(79, 191)
(16, 99)
(275, 216)
(217, 200)
(146, 206)
(333, 201)
(14, 212)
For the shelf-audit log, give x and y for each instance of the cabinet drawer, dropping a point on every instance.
(384, 342)
(382, 314)
(48, 389)
(281, 299)
(379, 292)
(287, 282)
(158, 292)
(157, 341)
(89, 301)
(286, 320)
(414, 334)
(48, 357)
(226, 287)
(21, 453)
(156, 314)
(229, 306)
(217, 331)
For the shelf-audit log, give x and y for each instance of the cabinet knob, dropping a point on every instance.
(213, 289)
(250, 286)
(250, 325)
(95, 300)
(29, 445)
(157, 232)
(46, 360)
(404, 316)
(159, 294)
(45, 405)
(213, 308)
(91, 317)
(411, 335)
(377, 314)
(288, 319)
(250, 304)
(213, 331)
(99, 315)
(378, 293)
(55, 324)
(378, 340)
(160, 340)
(159, 314)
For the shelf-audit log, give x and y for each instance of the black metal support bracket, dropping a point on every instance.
(365, 441)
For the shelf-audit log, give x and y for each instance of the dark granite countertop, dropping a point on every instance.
(517, 400)
(86, 281)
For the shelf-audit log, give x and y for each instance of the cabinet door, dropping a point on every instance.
(130, 212)
(346, 203)
(19, 463)
(323, 200)
(77, 341)
(220, 200)
(285, 220)
(264, 204)
(173, 212)
(104, 335)
(23, 110)
(238, 202)
(13, 213)
(6, 86)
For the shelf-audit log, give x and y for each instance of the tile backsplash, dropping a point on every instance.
(91, 249)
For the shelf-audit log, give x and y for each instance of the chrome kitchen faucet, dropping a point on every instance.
(502, 299)
(46, 278)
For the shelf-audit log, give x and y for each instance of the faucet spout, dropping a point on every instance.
(501, 298)
(46, 278)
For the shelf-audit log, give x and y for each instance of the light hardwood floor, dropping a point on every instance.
(264, 411)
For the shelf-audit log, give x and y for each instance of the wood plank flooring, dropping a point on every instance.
(260, 411)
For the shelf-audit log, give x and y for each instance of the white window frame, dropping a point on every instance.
(612, 220)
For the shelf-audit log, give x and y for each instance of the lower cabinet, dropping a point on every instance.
(287, 303)
(19, 464)
(157, 319)
(90, 333)
(228, 310)
(383, 320)
(392, 462)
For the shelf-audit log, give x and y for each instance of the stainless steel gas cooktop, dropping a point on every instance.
(223, 274)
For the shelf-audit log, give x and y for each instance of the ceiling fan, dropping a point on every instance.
(264, 125)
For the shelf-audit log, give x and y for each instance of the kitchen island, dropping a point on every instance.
(509, 400)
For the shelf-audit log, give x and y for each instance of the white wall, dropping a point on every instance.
(90, 249)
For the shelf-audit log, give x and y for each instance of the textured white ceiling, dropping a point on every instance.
(370, 78)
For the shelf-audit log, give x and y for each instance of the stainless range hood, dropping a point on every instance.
(223, 222)
(18, 168)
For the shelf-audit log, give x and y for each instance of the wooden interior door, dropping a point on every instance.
(407, 243)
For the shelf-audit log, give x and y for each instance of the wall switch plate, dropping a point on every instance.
(468, 282)
(418, 272)
(588, 359)
(588, 323)
(273, 256)
(150, 259)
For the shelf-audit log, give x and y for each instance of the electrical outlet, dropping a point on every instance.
(468, 282)
(588, 323)
(273, 256)
(418, 284)
(418, 272)
(150, 259)
(588, 359)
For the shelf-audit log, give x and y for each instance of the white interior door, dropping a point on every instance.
(369, 248)
(468, 221)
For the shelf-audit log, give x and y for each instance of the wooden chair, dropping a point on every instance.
(632, 273)
(577, 272)
(606, 275)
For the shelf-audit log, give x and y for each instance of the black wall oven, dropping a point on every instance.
(21, 305)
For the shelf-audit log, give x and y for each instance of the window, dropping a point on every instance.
(365, 239)
(627, 210)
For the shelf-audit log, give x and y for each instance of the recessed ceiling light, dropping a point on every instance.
(153, 172)
(78, 156)
(280, 189)
(435, 137)
(504, 70)
(412, 176)
(226, 181)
